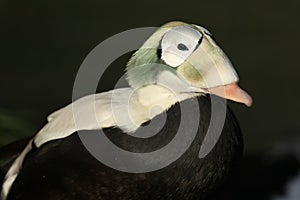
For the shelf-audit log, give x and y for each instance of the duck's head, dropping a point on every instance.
(185, 58)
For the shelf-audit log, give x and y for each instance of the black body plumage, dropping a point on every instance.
(64, 170)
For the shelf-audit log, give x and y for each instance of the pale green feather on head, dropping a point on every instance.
(145, 64)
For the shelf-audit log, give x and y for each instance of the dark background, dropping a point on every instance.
(43, 43)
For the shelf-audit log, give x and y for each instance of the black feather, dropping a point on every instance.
(64, 170)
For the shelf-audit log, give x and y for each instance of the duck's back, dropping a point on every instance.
(64, 169)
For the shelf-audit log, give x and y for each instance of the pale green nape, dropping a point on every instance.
(144, 65)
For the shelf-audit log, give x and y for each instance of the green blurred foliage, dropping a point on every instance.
(13, 126)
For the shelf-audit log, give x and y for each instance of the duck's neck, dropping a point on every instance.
(146, 102)
(168, 90)
(157, 98)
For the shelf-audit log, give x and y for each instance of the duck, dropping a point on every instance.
(179, 80)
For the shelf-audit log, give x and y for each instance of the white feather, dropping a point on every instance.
(13, 171)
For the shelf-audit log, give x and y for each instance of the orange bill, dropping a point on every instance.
(232, 92)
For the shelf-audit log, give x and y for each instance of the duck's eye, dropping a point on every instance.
(182, 47)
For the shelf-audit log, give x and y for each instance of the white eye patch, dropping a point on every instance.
(178, 44)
